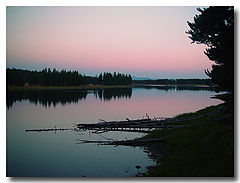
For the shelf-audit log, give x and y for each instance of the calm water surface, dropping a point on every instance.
(58, 154)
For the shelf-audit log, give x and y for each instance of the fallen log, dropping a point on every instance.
(99, 131)
(137, 125)
(135, 142)
(48, 129)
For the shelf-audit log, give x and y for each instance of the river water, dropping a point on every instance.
(50, 154)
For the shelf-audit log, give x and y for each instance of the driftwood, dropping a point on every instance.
(48, 129)
(136, 142)
(140, 125)
(99, 131)
(122, 142)
(144, 125)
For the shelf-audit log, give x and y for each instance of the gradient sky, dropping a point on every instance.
(143, 41)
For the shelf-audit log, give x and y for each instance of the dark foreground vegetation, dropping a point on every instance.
(205, 148)
(48, 77)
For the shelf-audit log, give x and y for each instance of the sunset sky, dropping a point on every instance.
(143, 41)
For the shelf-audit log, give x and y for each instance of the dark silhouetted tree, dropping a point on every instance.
(214, 27)
(100, 79)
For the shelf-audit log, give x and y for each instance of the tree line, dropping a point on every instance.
(48, 77)
(174, 81)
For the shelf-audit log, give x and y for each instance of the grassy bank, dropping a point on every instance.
(206, 148)
(34, 88)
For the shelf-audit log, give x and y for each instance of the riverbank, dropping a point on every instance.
(89, 87)
(206, 148)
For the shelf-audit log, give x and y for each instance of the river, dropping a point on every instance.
(50, 154)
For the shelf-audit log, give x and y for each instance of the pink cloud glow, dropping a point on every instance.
(104, 38)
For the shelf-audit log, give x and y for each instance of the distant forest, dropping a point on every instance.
(174, 81)
(48, 77)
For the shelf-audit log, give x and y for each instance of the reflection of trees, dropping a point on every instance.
(47, 98)
(114, 93)
(53, 97)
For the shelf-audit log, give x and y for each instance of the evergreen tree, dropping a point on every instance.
(214, 27)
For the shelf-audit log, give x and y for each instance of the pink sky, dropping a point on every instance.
(143, 41)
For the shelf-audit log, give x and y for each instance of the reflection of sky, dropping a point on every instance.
(50, 154)
(143, 41)
(152, 101)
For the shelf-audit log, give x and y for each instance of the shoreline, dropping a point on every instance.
(89, 87)
(206, 148)
(203, 149)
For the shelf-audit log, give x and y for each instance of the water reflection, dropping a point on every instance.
(53, 97)
(49, 98)
(43, 154)
(114, 93)
(46, 98)
(177, 88)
